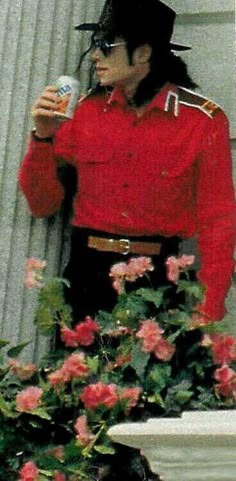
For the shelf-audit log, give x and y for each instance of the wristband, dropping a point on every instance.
(41, 139)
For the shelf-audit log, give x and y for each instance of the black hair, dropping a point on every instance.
(165, 66)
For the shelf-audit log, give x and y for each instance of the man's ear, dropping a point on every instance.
(142, 54)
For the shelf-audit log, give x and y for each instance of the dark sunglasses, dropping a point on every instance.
(105, 46)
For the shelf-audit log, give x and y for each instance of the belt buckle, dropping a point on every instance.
(125, 246)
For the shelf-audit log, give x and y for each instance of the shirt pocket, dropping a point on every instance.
(93, 150)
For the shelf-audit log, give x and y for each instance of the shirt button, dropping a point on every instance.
(164, 173)
(125, 214)
(130, 154)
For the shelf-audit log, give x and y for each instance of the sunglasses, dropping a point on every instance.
(105, 46)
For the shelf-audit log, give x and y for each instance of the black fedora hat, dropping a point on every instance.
(149, 21)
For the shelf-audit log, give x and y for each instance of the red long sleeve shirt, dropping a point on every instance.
(167, 172)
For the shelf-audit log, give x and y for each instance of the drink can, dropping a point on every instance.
(68, 91)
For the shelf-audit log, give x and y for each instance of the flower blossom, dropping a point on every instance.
(58, 476)
(33, 273)
(73, 367)
(176, 265)
(150, 333)
(227, 381)
(152, 341)
(86, 330)
(136, 267)
(69, 337)
(29, 472)
(84, 435)
(99, 394)
(58, 377)
(28, 399)
(82, 335)
(223, 348)
(21, 371)
(131, 395)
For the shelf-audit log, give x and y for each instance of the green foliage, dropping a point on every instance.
(163, 382)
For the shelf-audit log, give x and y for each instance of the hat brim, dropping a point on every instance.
(94, 27)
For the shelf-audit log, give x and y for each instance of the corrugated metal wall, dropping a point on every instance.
(37, 44)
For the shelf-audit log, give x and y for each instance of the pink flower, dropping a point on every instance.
(33, 273)
(59, 476)
(118, 285)
(130, 394)
(69, 337)
(227, 381)
(130, 271)
(84, 435)
(150, 333)
(28, 399)
(122, 359)
(75, 366)
(164, 350)
(99, 394)
(60, 376)
(176, 265)
(22, 371)
(29, 472)
(85, 331)
(152, 340)
(118, 270)
(224, 349)
(137, 266)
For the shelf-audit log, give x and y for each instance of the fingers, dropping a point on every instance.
(47, 103)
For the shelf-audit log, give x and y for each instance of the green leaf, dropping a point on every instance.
(41, 413)
(158, 378)
(3, 343)
(129, 309)
(101, 448)
(93, 364)
(44, 320)
(16, 350)
(6, 410)
(105, 321)
(139, 360)
(183, 396)
(151, 295)
(156, 399)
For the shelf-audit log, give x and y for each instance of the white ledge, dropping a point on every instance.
(199, 446)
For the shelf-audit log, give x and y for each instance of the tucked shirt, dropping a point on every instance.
(167, 172)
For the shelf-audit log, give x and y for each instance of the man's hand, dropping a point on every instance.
(43, 112)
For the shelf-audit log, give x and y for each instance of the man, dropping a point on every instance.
(152, 158)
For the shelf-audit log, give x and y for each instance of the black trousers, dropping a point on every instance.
(88, 272)
(91, 290)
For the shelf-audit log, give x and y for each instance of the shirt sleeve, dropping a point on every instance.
(216, 217)
(38, 177)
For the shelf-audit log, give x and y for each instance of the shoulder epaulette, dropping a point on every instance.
(192, 99)
(85, 95)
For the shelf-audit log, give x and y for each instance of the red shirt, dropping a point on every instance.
(167, 172)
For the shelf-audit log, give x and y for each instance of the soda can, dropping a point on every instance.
(68, 91)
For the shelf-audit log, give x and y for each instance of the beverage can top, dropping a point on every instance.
(67, 80)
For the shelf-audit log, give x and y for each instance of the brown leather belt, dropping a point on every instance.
(124, 246)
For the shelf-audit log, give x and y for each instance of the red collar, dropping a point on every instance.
(167, 99)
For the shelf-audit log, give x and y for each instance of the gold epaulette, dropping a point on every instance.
(85, 95)
(192, 99)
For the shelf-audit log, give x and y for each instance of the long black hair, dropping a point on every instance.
(165, 66)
